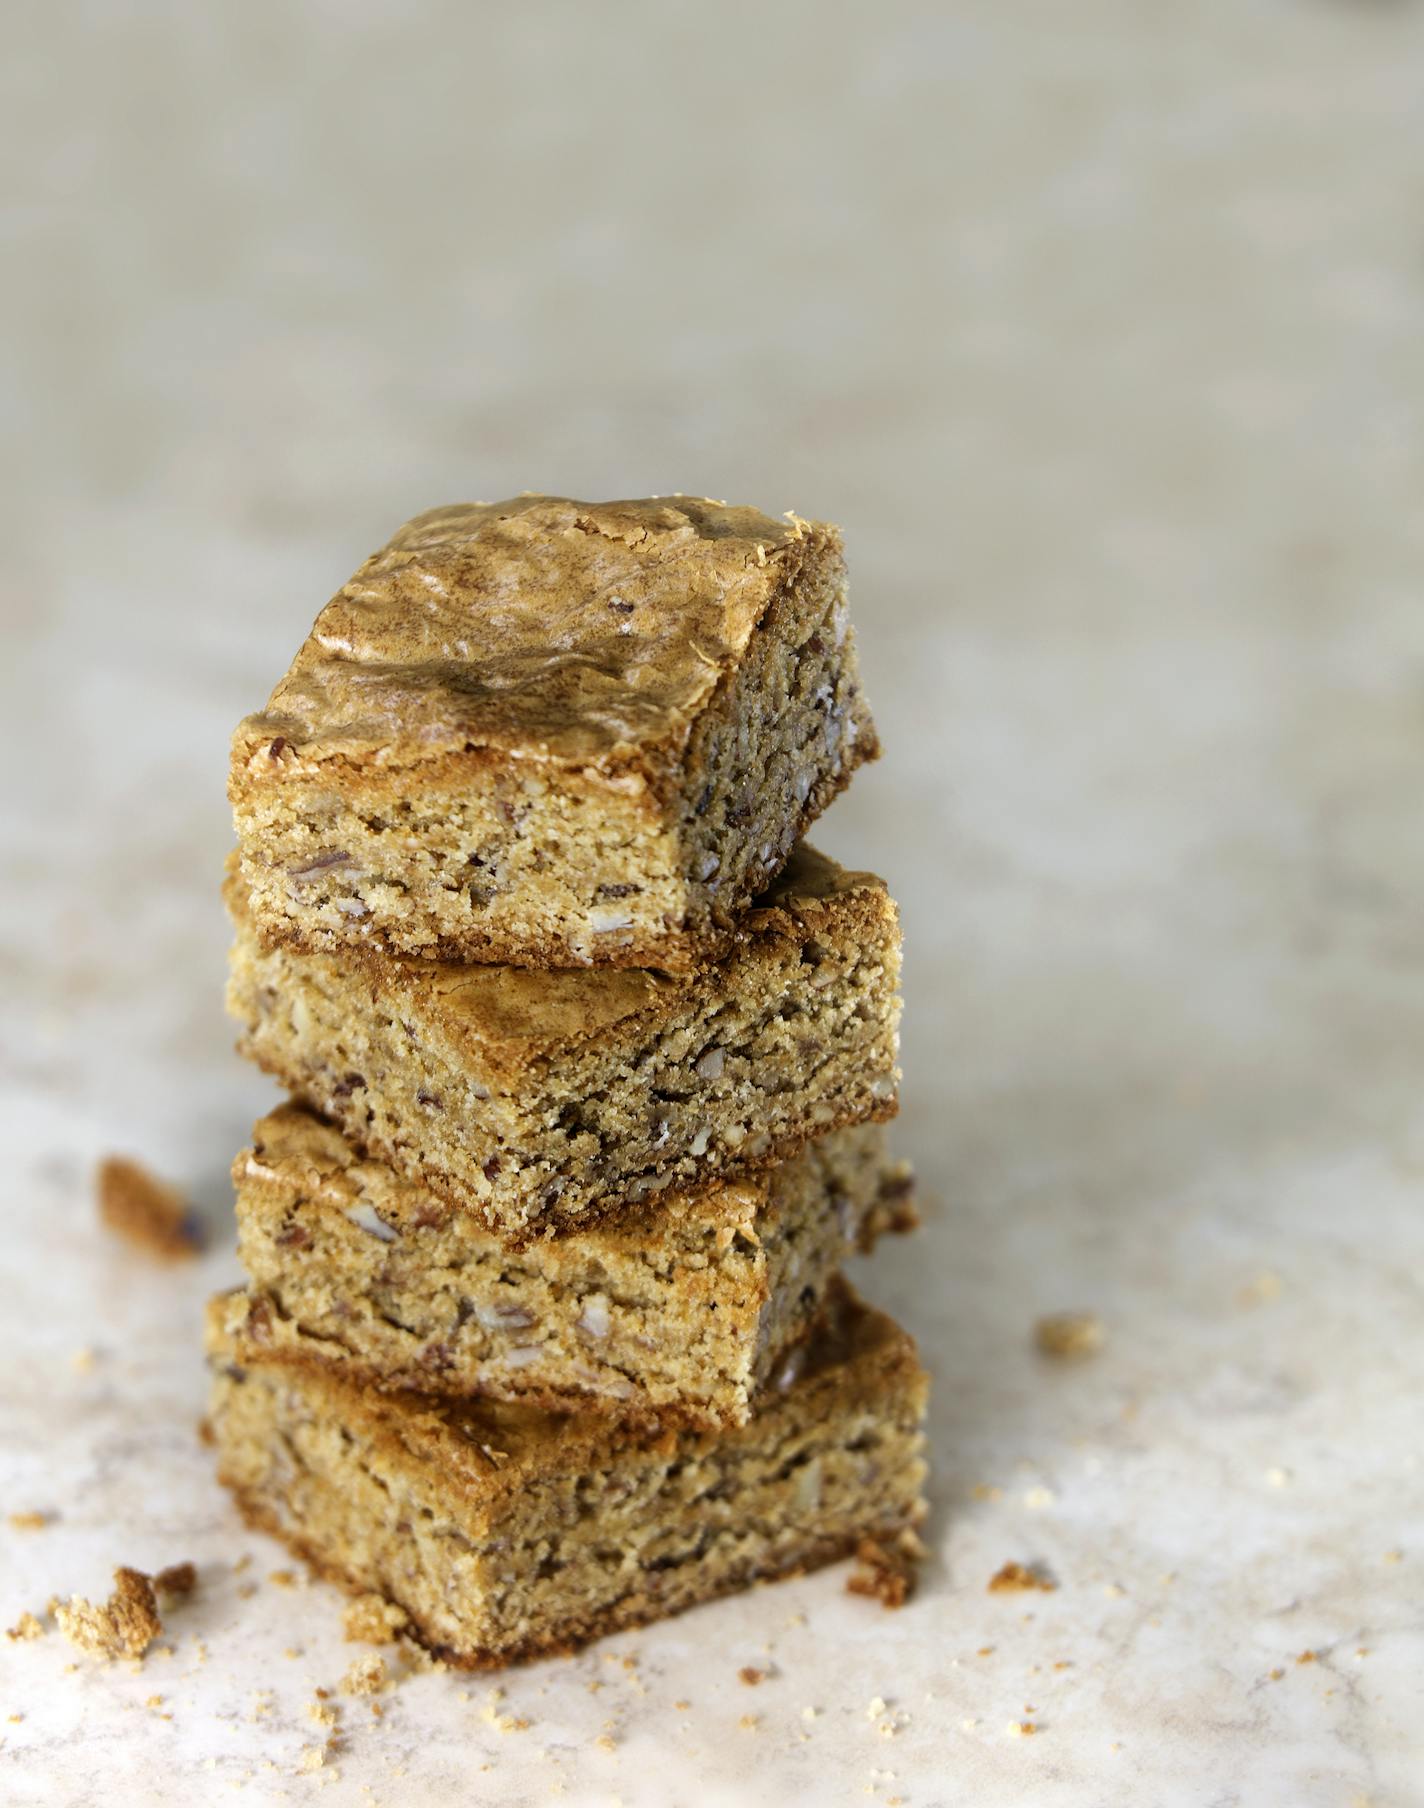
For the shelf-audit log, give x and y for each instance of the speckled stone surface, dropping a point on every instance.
(1102, 339)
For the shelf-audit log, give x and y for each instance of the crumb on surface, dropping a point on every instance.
(32, 1522)
(1013, 1578)
(750, 1721)
(145, 1211)
(176, 1580)
(282, 1578)
(27, 1626)
(1021, 1729)
(83, 1360)
(372, 1620)
(751, 1676)
(123, 1626)
(1308, 1657)
(365, 1676)
(886, 1572)
(1069, 1336)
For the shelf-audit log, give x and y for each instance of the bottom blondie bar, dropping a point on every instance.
(502, 1533)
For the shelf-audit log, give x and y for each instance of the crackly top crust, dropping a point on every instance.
(540, 628)
(507, 1017)
(491, 1450)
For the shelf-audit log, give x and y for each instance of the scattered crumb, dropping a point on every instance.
(1069, 1336)
(312, 1758)
(751, 1676)
(1261, 1291)
(124, 1626)
(15, 1719)
(968, 1724)
(985, 1651)
(177, 1580)
(886, 1572)
(605, 1743)
(1037, 1498)
(282, 1578)
(246, 1590)
(154, 1701)
(1308, 1657)
(876, 1708)
(82, 1361)
(372, 1620)
(1395, 1556)
(1021, 1729)
(750, 1721)
(325, 1713)
(31, 1522)
(1277, 1674)
(1015, 1578)
(682, 1706)
(809, 1713)
(1114, 1590)
(146, 1211)
(366, 1676)
(26, 1627)
(986, 1491)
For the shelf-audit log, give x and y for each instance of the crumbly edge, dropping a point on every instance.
(789, 1040)
(649, 1530)
(491, 859)
(683, 1311)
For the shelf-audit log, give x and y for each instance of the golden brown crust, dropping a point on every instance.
(589, 634)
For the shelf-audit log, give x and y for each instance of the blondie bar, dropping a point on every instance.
(501, 1532)
(684, 1306)
(543, 1101)
(553, 733)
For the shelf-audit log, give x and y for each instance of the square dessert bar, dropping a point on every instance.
(544, 1101)
(501, 1532)
(553, 733)
(685, 1306)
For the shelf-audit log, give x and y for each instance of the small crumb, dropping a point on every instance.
(26, 1627)
(682, 1706)
(750, 1721)
(325, 1713)
(751, 1676)
(146, 1212)
(1114, 1590)
(876, 1708)
(1069, 1336)
(312, 1758)
(1277, 1674)
(986, 1491)
(605, 1743)
(809, 1713)
(282, 1578)
(1395, 1556)
(32, 1522)
(985, 1651)
(242, 1563)
(372, 1620)
(1261, 1291)
(1037, 1498)
(123, 1626)
(366, 1676)
(1278, 1478)
(177, 1580)
(1014, 1578)
(886, 1571)
(1021, 1729)
(82, 1361)
(1308, 1657)
(246, 1590)
(154, 1701)
(968, 1724)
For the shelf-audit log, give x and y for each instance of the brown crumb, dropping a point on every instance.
(26, 1627)
(886, 1573)
(177, 1580)
(751, 1676)
(31, 1522)
(372, 1620)
(146, 1211)
(1069, 1336)
(1022, 1729)
(750, 1721)
(1277, 1674)
(1308, 1657)
(124, 1626)
(366, 1676)
(1014, 1578)
(605, 1743)
(282, 1578)
(682, 1706)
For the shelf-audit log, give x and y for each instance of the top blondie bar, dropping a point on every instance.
(553, 733)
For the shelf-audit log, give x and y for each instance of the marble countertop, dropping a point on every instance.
(1103, 341)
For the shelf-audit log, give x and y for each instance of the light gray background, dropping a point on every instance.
(1099, 329)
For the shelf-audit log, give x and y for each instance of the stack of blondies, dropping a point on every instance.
(588, 1052)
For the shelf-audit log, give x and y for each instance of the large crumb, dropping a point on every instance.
(1069, 1336)
(886, 1573)
(372, 1620)
(1016, 1577)
(124, 1626)
(146, 1211)
(178, 1579)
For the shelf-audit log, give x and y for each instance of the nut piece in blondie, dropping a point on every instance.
(553, 733)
